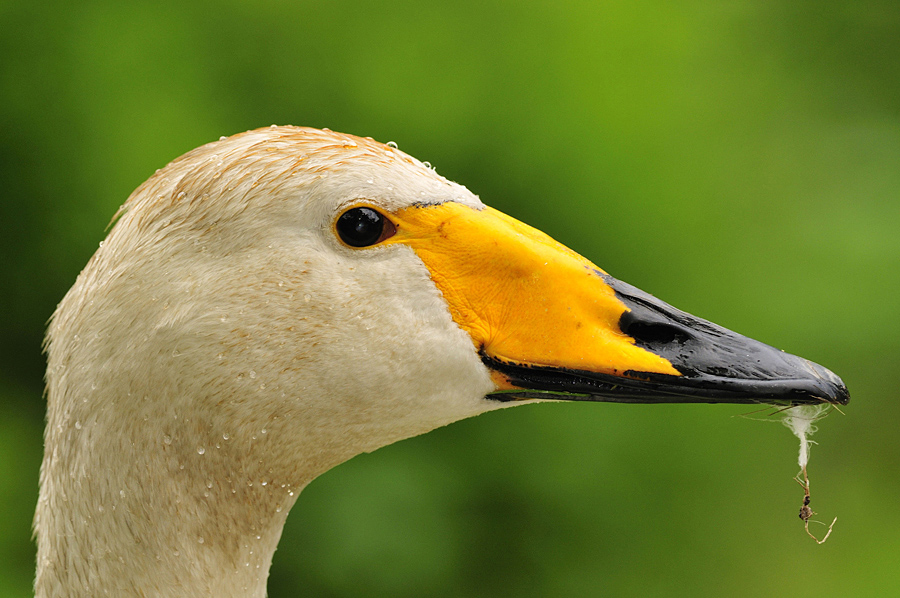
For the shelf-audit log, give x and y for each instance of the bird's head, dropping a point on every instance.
(337, 292)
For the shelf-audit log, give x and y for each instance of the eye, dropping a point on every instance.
(362, 227)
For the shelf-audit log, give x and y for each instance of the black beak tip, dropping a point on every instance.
(827, 385)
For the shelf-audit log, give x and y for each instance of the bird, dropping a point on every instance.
(271, 304)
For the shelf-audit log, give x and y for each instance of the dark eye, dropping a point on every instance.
(361, 227)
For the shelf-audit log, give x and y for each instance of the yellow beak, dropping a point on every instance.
(549, 323)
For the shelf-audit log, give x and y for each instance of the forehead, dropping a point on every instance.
(316, 171)
(344, 168)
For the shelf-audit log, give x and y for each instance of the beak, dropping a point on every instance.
(549, 324)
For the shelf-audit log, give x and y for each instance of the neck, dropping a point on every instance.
(171, 506)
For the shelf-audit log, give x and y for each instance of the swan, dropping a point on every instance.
(271, 304)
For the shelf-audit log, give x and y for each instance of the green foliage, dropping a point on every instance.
(740, 160)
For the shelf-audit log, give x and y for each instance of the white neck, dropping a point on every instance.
(140, 511)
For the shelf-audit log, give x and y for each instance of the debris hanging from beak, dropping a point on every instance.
(800, 420)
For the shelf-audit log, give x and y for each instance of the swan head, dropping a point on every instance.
(229, 289)
(271, 304)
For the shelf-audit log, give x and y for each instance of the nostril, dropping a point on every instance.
(655, 333)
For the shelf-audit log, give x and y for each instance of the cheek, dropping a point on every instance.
(351, 352)
(379, 339)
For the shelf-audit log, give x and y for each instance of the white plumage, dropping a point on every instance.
(222, 349)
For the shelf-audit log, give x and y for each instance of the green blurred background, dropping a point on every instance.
(738, 159)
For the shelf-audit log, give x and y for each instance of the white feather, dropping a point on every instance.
(800, 420)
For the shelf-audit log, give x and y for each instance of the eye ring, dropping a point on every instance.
(362, 226)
